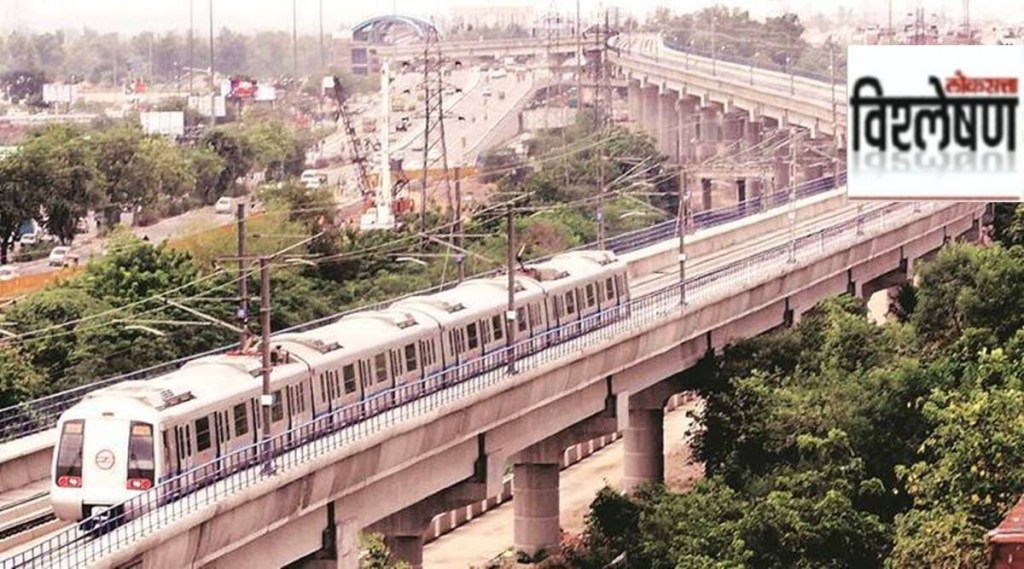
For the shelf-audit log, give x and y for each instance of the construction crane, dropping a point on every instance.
(355, 145)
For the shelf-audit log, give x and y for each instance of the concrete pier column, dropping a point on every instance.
(650, 122)
(733, 126)
(643, 450)
(346, 542)
(780, 169)
(403, 530)
(666, 124)
(686, 134)
(752, 131)
(634, 94)
(535, 497)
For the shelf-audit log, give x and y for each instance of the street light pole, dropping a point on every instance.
(714, 50)
(295, 41)
(792, 197)
(684, 206)
(213, 80)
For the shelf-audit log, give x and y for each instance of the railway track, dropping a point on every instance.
(27, 519)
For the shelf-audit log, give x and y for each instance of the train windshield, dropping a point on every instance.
(141, 464)
(69, 454)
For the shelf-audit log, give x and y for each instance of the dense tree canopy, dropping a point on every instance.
(839, 443)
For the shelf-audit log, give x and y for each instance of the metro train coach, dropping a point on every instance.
(124, 439)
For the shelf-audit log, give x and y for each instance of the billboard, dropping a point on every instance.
(238, 88)
(934, 122)
(201, 103)
(266, 93)
(170, 123)
(59, 93)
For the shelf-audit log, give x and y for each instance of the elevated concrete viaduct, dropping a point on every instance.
(394, 479)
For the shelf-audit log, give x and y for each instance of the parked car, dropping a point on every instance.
(223, 205)
(8, 272)
(56, 258)
(29, 239)
(487, 92)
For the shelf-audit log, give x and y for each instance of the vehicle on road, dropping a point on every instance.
(8, 272)
(223, 205)
(57, 256)
(313, 179)
(499, 73)
(29, 239)
(487, 92)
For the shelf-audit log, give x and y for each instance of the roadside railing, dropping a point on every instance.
(40, 414)
(185, 493)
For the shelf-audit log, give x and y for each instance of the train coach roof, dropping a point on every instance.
(360, 331)
(202, 381)
(574, 265)
(468, 299)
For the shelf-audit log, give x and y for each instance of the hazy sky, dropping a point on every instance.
(135, 15)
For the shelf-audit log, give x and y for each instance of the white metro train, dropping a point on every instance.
(123, 439)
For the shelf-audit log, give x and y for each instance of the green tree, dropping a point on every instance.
(376, 554)
(20, 198)
(18, 379)
(58, 164)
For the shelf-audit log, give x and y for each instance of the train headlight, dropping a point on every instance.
(139, 484)
(69, 481)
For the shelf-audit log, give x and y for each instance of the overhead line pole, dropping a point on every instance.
(266, 398)
(243, 281)
(510, 314)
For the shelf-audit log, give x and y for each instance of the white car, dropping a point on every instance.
(487, 92)
(29, 239)
(56, 258)
(7, 272)
(223, 205)
(313, 179)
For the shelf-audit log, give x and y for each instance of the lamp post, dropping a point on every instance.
(753, 59)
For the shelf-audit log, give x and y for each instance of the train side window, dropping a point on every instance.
(410, 357)
(535, 315)
(591, 298)
(472, 337)
(69, 453)
(380, 367)
(277, 409)
(521, 318)
(241, 420)
(499, 330)
(570, 302)
(188, 440)
(203, 434)
(485, 332)
(323, 387)
(609, 288)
